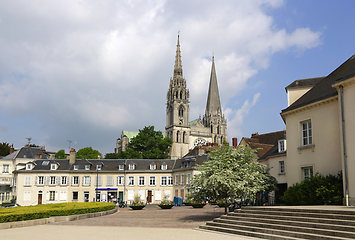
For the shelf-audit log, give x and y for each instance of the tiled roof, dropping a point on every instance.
(26, 152)
(305, 82)
(324, 88)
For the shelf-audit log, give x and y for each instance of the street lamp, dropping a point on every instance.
(98, 167)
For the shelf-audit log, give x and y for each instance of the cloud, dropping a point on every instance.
(87, 67)
(235, 117)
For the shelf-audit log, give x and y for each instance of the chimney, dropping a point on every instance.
(254, 134)
(72, 156)
(235, 142)
(12, 149)
(39, 155)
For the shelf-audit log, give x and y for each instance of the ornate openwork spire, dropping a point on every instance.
(178, 63)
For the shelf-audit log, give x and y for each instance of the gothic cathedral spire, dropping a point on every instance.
(214, 119)
(177, 109)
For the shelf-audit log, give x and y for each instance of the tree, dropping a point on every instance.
(88, 153)
(60, 154)
(148, 144)
(4, 149)
(112, 156)
(231, 172)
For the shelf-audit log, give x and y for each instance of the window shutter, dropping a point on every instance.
(57, 180)
(89, 181)
(68, 179)
(72, 180)
(36, 180)
(83, 182)
(47, 196)
(56, 196)
(47, 180)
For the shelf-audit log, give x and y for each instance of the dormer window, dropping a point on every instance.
(164, 167)
(53, 166)
(121, 167)
(28, 167)
(87, 167)
(282, 145)
(98, 167)
(153, 166)
(131, 166)
(76, 167)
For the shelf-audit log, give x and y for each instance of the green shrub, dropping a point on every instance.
(317, 190)
(49, 210)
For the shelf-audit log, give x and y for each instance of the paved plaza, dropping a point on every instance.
(150, 223)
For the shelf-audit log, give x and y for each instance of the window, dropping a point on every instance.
(27, 181)
(141, 181)
(131, 166)
(176, 179)
(153, 167)
(5, 168)
(282, 167)
(75, 195)
(282, 145)
(182, 179)
(170, 180)
(53, 166)
(188, 178)
(163, 181)
(307, 172)
(64, 180)
(152, 181)
(28, 167)
(76, 167)
(75, 180)
(40, 180)
(98, 180)
(306, 133)
(109, 181)
(98, 167)
(120, 180)
(52, 180)
(87, 167)
(164, 167)
(51, 195)
(86, 180)
(120, 167)
(130, 181)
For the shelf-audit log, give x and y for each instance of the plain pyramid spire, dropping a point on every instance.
(178, 63)
(213, 106)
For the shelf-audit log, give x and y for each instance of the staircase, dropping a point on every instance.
(287, 223)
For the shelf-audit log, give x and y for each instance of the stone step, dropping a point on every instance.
(300, 222)
(266, 232)
(309, 210)
(246, 233)
(292, 218)
(298, 214)
(283, 227)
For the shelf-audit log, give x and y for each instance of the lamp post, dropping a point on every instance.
(97, 182)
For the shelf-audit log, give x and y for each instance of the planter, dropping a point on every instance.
(201, 205)
(166, 206)
(187, 204)
(137, 207)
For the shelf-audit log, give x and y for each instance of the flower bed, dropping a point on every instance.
(49, 210)
(166, 204)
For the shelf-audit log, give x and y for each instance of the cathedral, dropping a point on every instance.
(188, 134)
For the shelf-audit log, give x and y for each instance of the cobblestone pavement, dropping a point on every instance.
(153, 216)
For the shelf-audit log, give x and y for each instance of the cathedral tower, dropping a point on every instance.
(177, 110)
(213, 118)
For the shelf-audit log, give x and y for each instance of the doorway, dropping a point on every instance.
(40, 197)
(149, 197)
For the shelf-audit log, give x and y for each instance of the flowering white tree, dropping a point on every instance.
(230, 172)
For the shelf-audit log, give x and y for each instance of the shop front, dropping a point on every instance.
(106, 194)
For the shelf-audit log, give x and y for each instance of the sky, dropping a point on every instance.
(83, 71)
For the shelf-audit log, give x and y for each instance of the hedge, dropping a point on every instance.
(49, 210)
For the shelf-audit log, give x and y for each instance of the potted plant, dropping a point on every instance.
(188, 202)
(223, 203)
(198, 204)
(137, 203)
(166, 204)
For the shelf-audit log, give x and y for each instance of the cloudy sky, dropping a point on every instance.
(84, 70)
